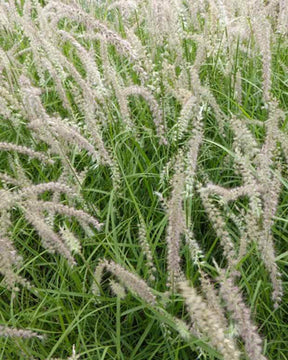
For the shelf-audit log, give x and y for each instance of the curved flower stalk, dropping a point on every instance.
(261, 172)
(176, 224)
(37, 212)
(9, 261)
(127, 278)
(6, 331)
(26, 151)
(242, 316)
(155, 108)
(208, 317)
(208, 322)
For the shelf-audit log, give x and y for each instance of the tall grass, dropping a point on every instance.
(143, 191)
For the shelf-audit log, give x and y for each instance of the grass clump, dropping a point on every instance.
(143, 191)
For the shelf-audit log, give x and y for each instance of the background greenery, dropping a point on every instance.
(61, 305)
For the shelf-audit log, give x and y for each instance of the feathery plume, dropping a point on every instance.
(6, 331)
(242, 315)
(127, 278)
(208, 322)
(176, 224)
(146, 249)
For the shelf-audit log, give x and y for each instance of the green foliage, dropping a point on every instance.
(96, 104)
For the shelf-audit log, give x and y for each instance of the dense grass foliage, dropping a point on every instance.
(143, 179)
